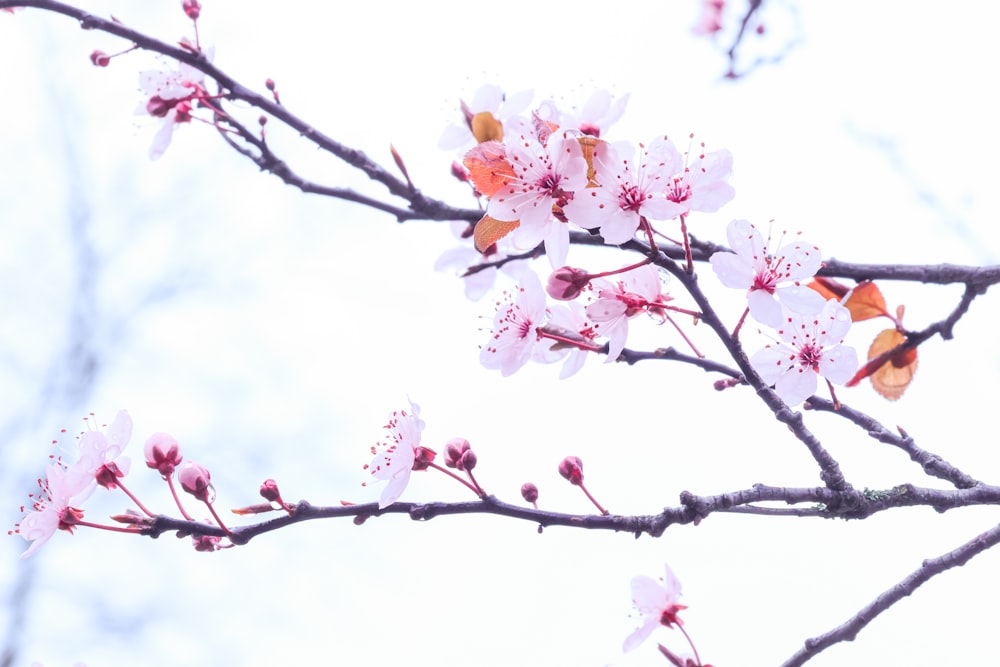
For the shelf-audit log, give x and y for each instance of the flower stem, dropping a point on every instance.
(690, 643)
(475, 483)
(134, 499)
(569, 341)
(173, 492)
(217, 519)
(593, 500)
(117, 529)
(687, 244)
(614, 272)
(479, 492)
(685, 337)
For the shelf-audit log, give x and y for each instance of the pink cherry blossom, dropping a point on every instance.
(465, 257)
(570, 321)
(811, 348)
(55, 507)
(488, 99)
(516, 327)
(545, 175)
(630, 189)
(171, 95)
(701, 185)
(635, 292)
(100, 453)
(657, 602)
(395, 458)
(766, 276)
(597, 114)
(710, 21)
(162, 453)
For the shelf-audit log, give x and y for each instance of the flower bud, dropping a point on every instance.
(529, 492)
(163, 453)
(459, 172)
(269, 84)
(453, 452)
(269, 491)
(197, 481)
(192, 8)
(100, 58)
(468, 460)
(566, 283)
(571, 468)
(158, 107)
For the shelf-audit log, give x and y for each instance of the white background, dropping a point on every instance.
(272, 333)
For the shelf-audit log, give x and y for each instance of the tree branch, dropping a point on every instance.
(928, 569)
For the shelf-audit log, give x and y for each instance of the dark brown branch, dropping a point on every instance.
(931, 463)
(928, 569)
(826, 503)
(422, 207)
(829, 468)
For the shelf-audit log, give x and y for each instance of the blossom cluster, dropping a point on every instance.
(99, 462)
(545, 173)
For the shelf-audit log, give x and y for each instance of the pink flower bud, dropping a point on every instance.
(468, 460)
(571, 468)
(100, 59)
(529, 492)
(192, 8)
(269, 491)
(459, 172)
(269, 84)
(163, 453)
(453, 452)
(197, 481)
(158, 107)
(566, 283)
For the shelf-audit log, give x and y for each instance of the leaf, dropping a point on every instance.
(485, 127)
(866, 301)
(829, 288)
(890, 368)
(490, 230)
(589, 145)
(488, 167)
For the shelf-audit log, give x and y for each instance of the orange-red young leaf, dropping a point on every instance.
(490, 230)
(889, 369)
(829, 288)
(485, 127)
(488, 167)
(866, 302)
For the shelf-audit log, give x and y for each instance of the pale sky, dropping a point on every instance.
(272, 333)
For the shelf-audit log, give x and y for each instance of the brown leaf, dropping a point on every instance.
(889, 368)
(866, 301)
(490, 230)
